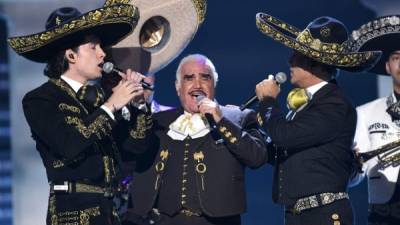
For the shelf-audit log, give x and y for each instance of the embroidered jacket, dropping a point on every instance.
(78, 151)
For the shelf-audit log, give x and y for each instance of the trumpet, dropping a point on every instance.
(388, 154)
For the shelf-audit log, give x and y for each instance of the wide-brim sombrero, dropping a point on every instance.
(382, 34)
(330, 53)
(110, 23)
(164, 30)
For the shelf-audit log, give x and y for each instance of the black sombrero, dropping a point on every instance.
(66, 26)
(382, 34)
(323, 40)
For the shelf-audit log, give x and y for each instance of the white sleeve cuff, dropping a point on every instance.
(108, 111)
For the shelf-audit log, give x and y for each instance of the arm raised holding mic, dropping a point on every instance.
(209, 109)
(267, 88)
(129, 89)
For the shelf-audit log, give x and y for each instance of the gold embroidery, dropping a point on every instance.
(65, 87)
(64, 106)
(58, 164)
(58, 21)
(106, 15)
(114, 2)
(233, 140)
(198, 156)
(306, 38)
(141, 127)
(52, 210)
(222, 129)
(331, 54)
(201, 8)
(107, 175)
(100, 125)
(325, 32)
(259, 119)
(81, 217)
(164, 154)
(85, 188)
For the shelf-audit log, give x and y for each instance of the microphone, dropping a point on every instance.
(109, 67)
(209, 117)
(280, 78)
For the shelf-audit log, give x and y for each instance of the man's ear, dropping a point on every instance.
(177, 87)
(387, 67)
(70, 55)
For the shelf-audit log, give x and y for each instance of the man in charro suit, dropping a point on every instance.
(70, 121)
(193, 168)
(378, 122)
(311, 149)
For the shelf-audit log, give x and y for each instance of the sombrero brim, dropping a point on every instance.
(111, 24)
(380, 34)
(183, 17)
(332, 55)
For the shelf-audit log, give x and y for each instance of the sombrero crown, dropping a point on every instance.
(66, 27)
(382, 34)
(165, 28)
(323, 40)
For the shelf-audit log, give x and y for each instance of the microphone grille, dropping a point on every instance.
(199, 98)
(280, 77)
(108, 67)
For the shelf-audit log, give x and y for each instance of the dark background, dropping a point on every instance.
(243, 56)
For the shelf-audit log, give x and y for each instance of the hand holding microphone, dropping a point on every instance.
(109, 67)
(210, 110)
(267, 88)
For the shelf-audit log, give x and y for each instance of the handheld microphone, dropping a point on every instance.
(280, 78)
(109, 67)
(209, 117)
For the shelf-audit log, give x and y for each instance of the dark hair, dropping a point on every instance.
(323, 71)
(57, 64)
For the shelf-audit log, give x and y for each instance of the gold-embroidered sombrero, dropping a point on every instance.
(164, 30)
(323, 40)
(66, 26)
(382, 34)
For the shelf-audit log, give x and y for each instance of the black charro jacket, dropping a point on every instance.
(216, 166)
(313, 152)
(76, 146)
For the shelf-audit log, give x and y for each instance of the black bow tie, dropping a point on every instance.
(91, 96)
(394, 111)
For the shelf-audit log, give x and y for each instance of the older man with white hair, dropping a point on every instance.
(193, 172)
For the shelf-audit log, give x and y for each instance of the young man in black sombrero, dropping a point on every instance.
(311, 147)
(378, 122)
(69, 120)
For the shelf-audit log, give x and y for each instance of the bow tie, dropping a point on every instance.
(394, 111)
(297, 98)
(187, 124)
(91, 96)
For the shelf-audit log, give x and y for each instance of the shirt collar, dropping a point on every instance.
(314, 88)
(75, 85)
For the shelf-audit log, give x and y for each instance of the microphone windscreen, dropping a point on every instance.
(199, 98)
(280, 77)
(108, 67)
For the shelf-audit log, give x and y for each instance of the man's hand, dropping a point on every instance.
(125, 92)
(267, 88)
(206, 105)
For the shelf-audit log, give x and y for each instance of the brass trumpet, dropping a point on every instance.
(388, 154)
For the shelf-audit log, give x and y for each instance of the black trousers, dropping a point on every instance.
(338, 212)
(182, 219)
